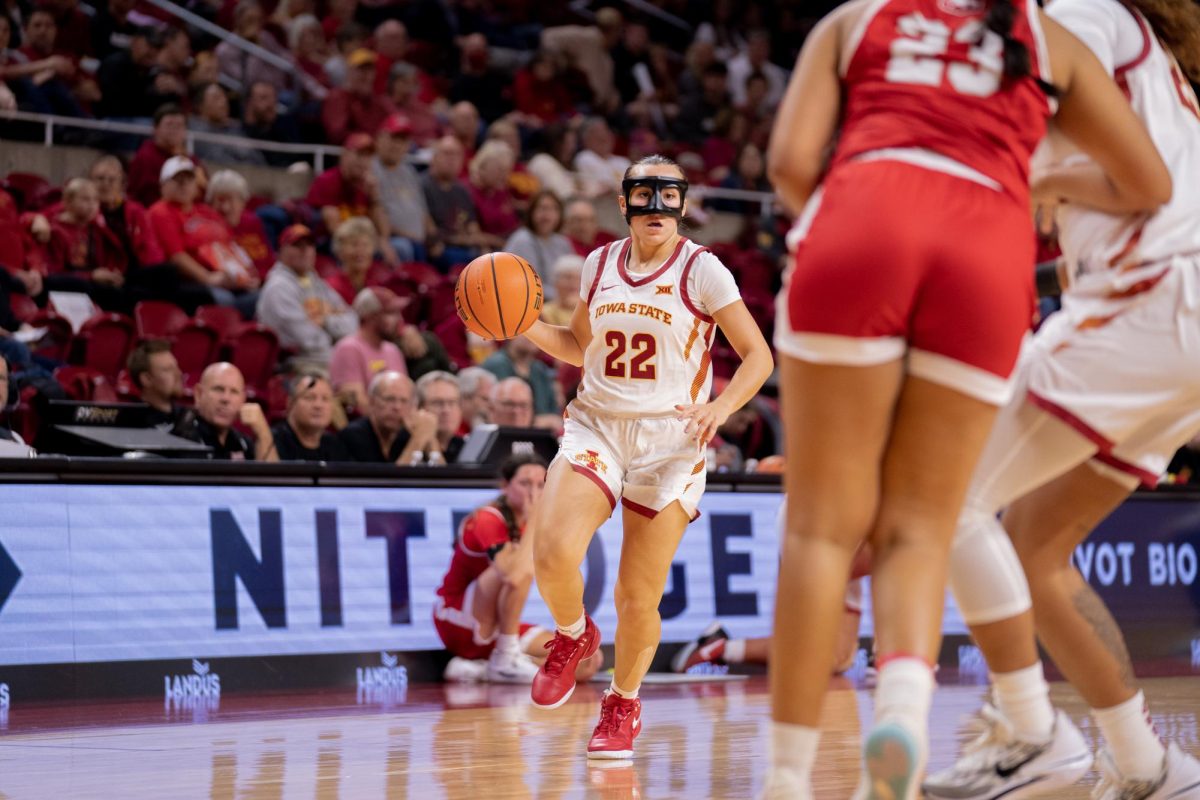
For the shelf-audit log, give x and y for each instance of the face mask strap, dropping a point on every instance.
(656, 205)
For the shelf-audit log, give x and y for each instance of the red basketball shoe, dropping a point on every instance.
(555, 681)
(620, 723)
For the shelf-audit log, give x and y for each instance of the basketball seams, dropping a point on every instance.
(496, 296)
(465, 278)
(525, 269)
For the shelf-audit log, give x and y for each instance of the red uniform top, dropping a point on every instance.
(484, 528)
(927, 74)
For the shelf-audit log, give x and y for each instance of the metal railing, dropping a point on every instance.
(318, 153)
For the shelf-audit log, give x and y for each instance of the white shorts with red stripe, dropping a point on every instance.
(1124, 371)
(647, 463)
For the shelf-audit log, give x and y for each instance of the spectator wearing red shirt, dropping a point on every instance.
(354, 247)
(489, 187)
(12, 246)
(493, 570)
(198, 242)
(402, 89)
(579, 225)
(168, 139)
(356, 107)
(350, 190)
(227, 194)
(539, 94)
(82, 254)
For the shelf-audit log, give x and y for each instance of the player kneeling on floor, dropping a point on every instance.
(478, 611)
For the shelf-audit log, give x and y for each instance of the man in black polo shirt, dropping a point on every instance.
(156, 375)
(220, 402)
(304, 435)
(394, 430)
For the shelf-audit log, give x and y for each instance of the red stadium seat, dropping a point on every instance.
(195, 346)
(32, 192)
(158, 320)
(56, 344)
(22, 305)
(86, 384)
(225, 320)
(103, 343)
(255, 350)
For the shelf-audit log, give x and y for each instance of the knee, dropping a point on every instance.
(635, 602)
(552, 556)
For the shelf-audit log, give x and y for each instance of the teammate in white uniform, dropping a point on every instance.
(651, 305)
(1109, 389)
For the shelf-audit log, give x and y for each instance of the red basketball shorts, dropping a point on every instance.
(896, 260)
(459, 630)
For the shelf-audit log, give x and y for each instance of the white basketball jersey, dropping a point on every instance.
(1106, 248)
(652, 333)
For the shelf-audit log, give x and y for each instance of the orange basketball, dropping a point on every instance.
(498, 296)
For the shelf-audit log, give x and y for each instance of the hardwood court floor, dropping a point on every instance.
(473, 742)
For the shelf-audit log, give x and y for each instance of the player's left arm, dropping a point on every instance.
(743, 333)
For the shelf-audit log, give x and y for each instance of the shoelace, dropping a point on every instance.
(561, 648)
(994, 732)
(611, 717)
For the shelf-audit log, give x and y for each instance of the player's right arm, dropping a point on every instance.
(565, 343)
(1129, 174)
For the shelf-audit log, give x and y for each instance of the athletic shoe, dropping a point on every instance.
(465, 670)
(708, 648)
(620, 723)
(510, 666)
(998, 764)
(893, 758)
(1179, 780)
(555, 681)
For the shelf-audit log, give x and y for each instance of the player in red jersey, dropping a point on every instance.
(899, 325)
(478, 611)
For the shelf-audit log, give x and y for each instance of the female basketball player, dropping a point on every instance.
(1108, 391)
(478, 612)
(637, 432)
(906, 304)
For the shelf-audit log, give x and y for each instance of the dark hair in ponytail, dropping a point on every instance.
(508, 471)
(1000, 18)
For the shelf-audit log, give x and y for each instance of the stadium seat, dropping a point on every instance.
(86, 384)
(254, 350)
(225, 320)
(56, 344)
(158, 320)
(103, 343)
(195, 346)
(23, 307)
(32, 192)
(454, 338)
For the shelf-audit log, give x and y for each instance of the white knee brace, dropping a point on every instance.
(986, 576)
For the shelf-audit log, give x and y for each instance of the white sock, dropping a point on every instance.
(619, 692)
(735, 651)
(904, 691)
(575, 630)
(793, 749)
(508, 643)
(1023, 697)
(1132, 741)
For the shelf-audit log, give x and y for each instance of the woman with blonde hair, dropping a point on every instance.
(488, 184)
(354, 246)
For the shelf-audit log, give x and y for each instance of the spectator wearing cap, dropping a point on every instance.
(261, 120)
(156, 376)
(458, 238)
(400, 189)
(350, 190)
(361, 356)
(394, 430)
(355, 107)
(354, 247)
(212, 106)
(565, 275)
(199, 243)
(220, 404)
(519, 358)
(302, 309)
(437, 393)
(168, 139)
(227, 194)
(304, 435)
(127, 78)
(403, 90)
(539, 242)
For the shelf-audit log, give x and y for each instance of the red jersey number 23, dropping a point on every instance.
(918, 55)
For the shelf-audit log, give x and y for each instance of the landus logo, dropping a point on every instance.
(386, 684)
(201, 688)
